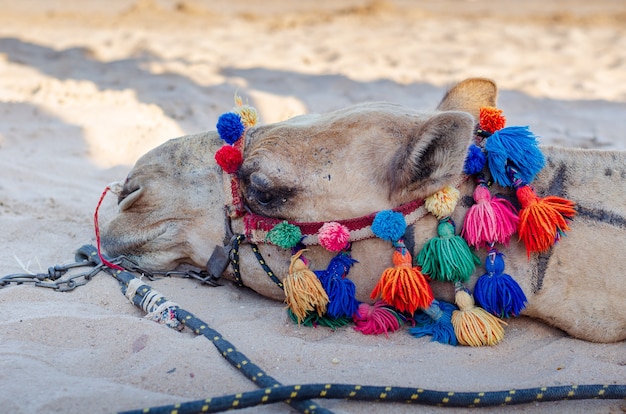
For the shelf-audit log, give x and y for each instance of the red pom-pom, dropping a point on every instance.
(376, 319)
(491, 119)
(334, 236)
(229, 158)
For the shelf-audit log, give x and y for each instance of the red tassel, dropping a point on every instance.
(542, 220)
(491, 119)
(403, 286)
(376, 319)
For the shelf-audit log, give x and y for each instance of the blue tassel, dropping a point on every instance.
(436, 321)
(475, 160)
(340, 290)
(497, 292)
(229, 127)
(517, 146)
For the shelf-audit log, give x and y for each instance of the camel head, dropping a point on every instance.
(339, 165)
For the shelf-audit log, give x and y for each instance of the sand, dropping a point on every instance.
(86, 88)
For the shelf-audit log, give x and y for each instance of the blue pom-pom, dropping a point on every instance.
(497, 292)
(517, 146)
(341, 291)
(230, 127)
(475, 160)
(389, 225)
(436, 321)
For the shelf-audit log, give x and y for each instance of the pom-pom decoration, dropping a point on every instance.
(403, 286)
(475, 160)
(516, 145)
(490, 220)
(447, 257)
(285, 235)
(475, 326)
(248, 114)
(491, 119)
(341, 291)
(303, 290)
(230, 127)
(389, 225)
(377, 319)
(442, 203)
(229, 158)
(497, 292)
(333, 236)
(542, 221)
(436, 321)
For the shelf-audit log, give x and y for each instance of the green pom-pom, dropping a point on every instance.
(285, 235)
(447, 258)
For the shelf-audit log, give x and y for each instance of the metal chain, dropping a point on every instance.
(63, 278)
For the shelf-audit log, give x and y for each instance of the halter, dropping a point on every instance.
(512, 158)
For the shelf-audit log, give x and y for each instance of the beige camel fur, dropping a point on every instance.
(368, 158)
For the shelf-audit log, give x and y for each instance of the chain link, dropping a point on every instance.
(64, 278)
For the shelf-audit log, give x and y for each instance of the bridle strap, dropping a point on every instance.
(234, 261)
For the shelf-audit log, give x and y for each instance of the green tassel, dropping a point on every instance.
(313, 320)
(447, 258)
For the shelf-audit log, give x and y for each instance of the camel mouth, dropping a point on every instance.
(135, 248)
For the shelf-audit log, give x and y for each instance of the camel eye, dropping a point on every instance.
(263, 198)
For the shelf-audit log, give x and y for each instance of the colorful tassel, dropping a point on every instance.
(436, 321)
(447, 258)
(475, 160)
(442, 203)
(333, 236)
(230, 127)
(285, 235)
(490, 220)
(314, 320)
(403, 286)
(303, 290)
(377, 319)
(474, 326)
(516, 145)
(340, 290)
(497, 292)
(491, 119)
(542, 221)
(229, 158)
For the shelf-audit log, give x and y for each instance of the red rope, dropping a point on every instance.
(97, 228)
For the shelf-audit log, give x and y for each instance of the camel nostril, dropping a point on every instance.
(128, 196)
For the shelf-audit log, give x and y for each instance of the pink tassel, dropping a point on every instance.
(376, 319)
(490, 220)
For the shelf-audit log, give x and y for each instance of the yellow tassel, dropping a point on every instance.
(303, 290)
(249, 115)
(473, 325)
(442, 203)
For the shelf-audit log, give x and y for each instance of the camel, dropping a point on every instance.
(365, 159)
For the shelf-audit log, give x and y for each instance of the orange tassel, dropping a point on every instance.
(403, 286)
(542, 220)
(491, 119)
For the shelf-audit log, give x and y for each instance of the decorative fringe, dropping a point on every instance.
(377, 319)
(314, 320)
(497, 292)
(475, 160)
(542, 220)
(491, 119)
(442, 203)
(303, 290)
(340, 290)
(436, 321)
(490, 220)
(515, 145)
(474, 326)
(403, 286)
(447, 258)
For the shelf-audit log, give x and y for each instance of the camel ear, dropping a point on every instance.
(469, 95)
(435, 154)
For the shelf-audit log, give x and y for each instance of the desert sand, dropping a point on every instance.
(87, 87)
